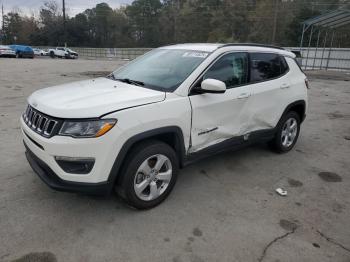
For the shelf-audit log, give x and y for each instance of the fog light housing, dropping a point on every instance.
(75, 165)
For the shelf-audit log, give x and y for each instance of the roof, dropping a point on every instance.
(203, 47)
(195, 47)
(333, 19)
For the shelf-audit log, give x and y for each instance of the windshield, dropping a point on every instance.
(161, 69)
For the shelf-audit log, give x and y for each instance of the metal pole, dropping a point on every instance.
(176, 11)
(329, 52)
(302, 38)
(301, 44)
(324, 47)
(308, 49)
(3, 24)
(64, 22)
(274, 29)
(2, 13)
(318, 39)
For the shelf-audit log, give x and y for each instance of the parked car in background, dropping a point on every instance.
(133, 130)
(23, 51)
(6, 51)
(63, 52)
(71, 54)
(40, 52)
(57, 52)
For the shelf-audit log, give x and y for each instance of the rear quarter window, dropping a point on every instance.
(266, 66)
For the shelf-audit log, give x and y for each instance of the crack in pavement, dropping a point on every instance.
(261, 258)
(332, 241)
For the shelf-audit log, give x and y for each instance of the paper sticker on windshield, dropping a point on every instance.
(195, 54)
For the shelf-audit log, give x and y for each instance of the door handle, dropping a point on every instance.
(243, 95)
(284, 86)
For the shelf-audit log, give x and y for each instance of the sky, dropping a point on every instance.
(72, 6)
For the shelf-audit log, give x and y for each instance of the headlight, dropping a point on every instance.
(88, 128)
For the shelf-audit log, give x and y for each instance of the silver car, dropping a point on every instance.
(6, 51)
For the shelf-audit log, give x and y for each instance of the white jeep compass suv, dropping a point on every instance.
(132, 130)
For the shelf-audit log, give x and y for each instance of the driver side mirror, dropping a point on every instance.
(212, 86)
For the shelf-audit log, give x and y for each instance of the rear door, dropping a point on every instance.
(270, 90)
(217, 117)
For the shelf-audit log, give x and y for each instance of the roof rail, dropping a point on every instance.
(251, 44)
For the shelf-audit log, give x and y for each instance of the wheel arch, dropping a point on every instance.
(299, 107)
(171, 135)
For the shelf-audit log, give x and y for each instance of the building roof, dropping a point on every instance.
(333, 19)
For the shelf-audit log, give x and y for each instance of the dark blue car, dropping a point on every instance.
(23, 51)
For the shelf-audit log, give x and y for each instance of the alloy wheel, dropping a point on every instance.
(153, 177)
(289, 132)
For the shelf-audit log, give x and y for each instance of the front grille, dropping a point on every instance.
(42, 124)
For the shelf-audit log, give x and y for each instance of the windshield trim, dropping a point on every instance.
(160, 88)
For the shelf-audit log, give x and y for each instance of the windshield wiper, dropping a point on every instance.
(130, 81)
(127, 80)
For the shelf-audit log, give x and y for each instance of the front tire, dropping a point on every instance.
(288, 130)
(148, 175)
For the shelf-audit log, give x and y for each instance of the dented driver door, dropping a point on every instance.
(217, 117)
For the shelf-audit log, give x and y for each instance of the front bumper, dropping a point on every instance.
(72, 56)
(52, 180)
(103, 149)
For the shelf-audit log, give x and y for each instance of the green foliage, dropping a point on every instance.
(150, 23)
(144, 21)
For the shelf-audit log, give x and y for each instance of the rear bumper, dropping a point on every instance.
(52, 180)
(7, 54)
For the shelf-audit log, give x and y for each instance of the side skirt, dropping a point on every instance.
(231, 144)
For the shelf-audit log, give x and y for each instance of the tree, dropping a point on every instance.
(230, 22)
(150, 23)
(144, 21)
(12, 27)
(50, 25)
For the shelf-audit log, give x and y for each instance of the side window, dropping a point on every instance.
(266, 66)
(232, 69)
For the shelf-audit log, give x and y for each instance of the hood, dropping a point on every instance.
(91, 98)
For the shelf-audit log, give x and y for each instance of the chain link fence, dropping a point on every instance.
(106, 53)
(325, 58)
(309, 58)
(112, 53)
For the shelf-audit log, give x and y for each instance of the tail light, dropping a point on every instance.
(307, 84)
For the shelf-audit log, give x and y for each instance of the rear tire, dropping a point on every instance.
(148, 175)
(52, 54)
(288, 130)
